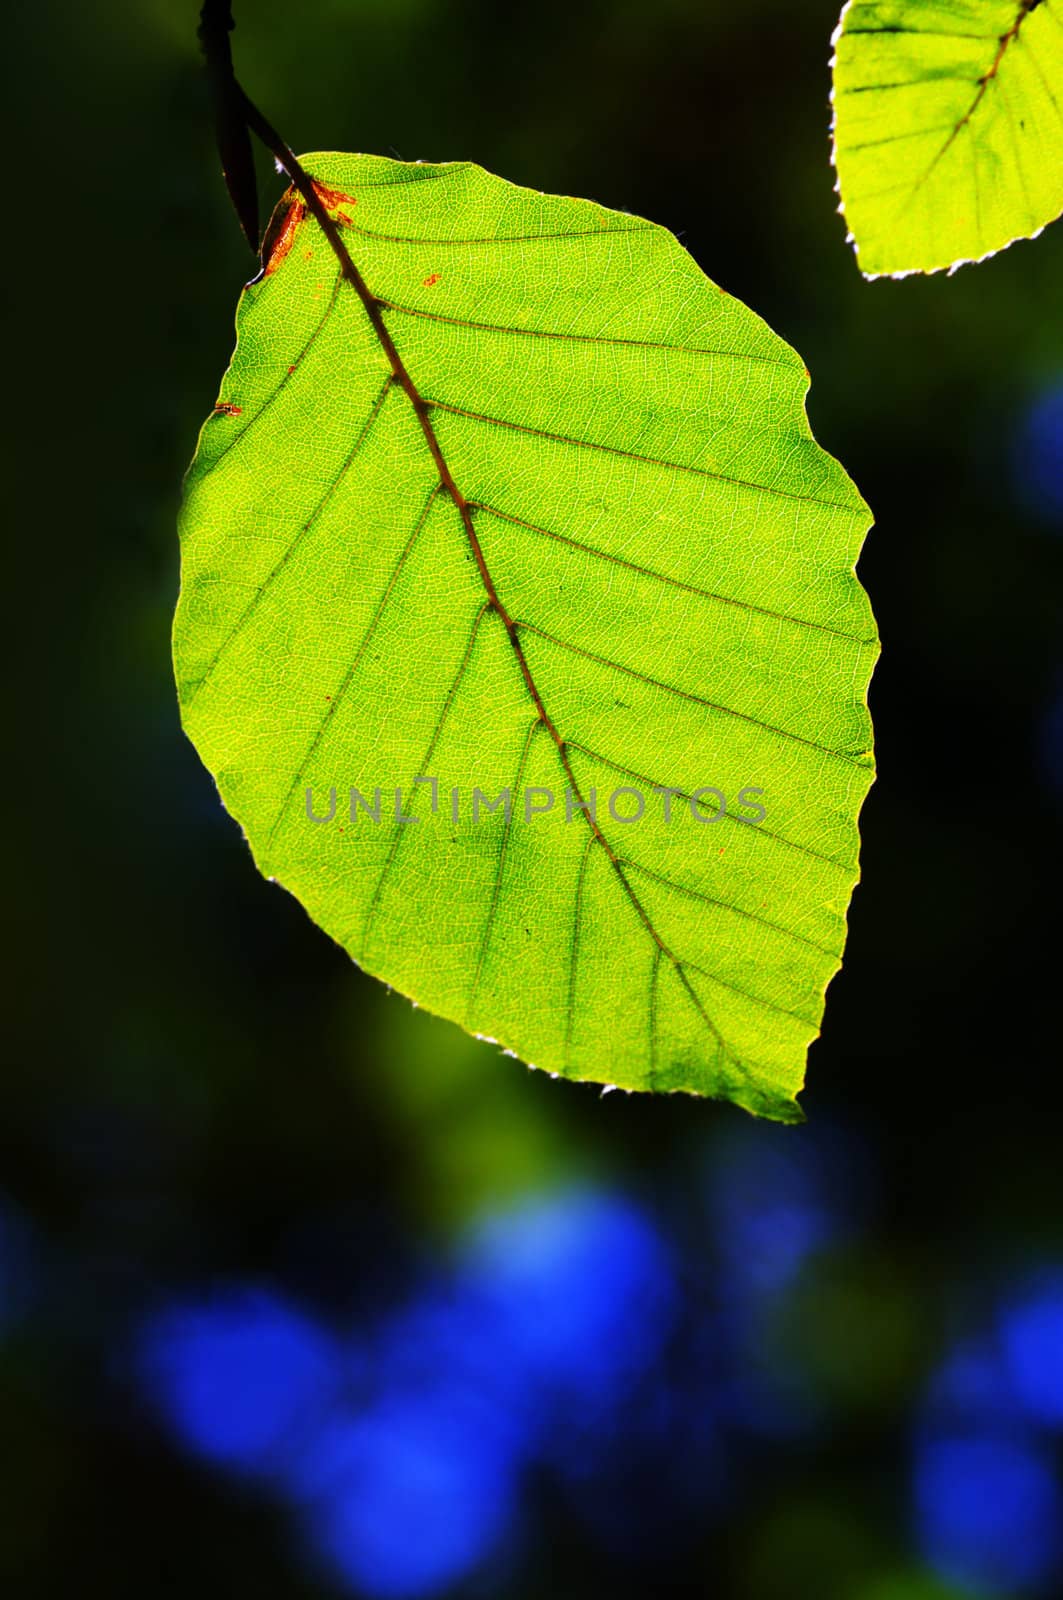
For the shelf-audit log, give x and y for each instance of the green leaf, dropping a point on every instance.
(672, 559)
(948, 128)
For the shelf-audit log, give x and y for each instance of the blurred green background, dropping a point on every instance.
(302, 1293)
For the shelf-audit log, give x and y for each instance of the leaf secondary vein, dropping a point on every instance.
(494, 239)
(685, 795)
(588, 338)
(275, 572)
(632, 455)
(726, 905)
(496, 888)
(356, 660)
(663, 577)
(285, 380)
(688, 694)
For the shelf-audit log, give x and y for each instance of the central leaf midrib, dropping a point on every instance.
(373, 308)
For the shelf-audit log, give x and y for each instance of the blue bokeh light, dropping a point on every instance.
(235, 1375)
(405, 1498)
(1031, 1331)
(403, 1458)
(989, 1512)
(971, 1386)
(1038, 453)
(445, 1339)
(16, 1268)
(577, 1289)
(773, 1201)
(553, 1309)
(652, 1479)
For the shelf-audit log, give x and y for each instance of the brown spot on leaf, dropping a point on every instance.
(433, 278)
(280, 233)
(225, 408)
(333, 199)
(290, 212)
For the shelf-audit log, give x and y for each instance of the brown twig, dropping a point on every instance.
(230, 123)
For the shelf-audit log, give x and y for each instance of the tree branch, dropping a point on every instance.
(230, 123)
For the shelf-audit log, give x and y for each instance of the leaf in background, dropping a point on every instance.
(672, 556)
(948, 128)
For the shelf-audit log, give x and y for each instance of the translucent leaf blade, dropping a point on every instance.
(948, 128)
(676, 554)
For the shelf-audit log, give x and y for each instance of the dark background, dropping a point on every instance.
(835, 1365)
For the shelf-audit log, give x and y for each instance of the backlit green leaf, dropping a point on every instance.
(645, 582)
(948, 127)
